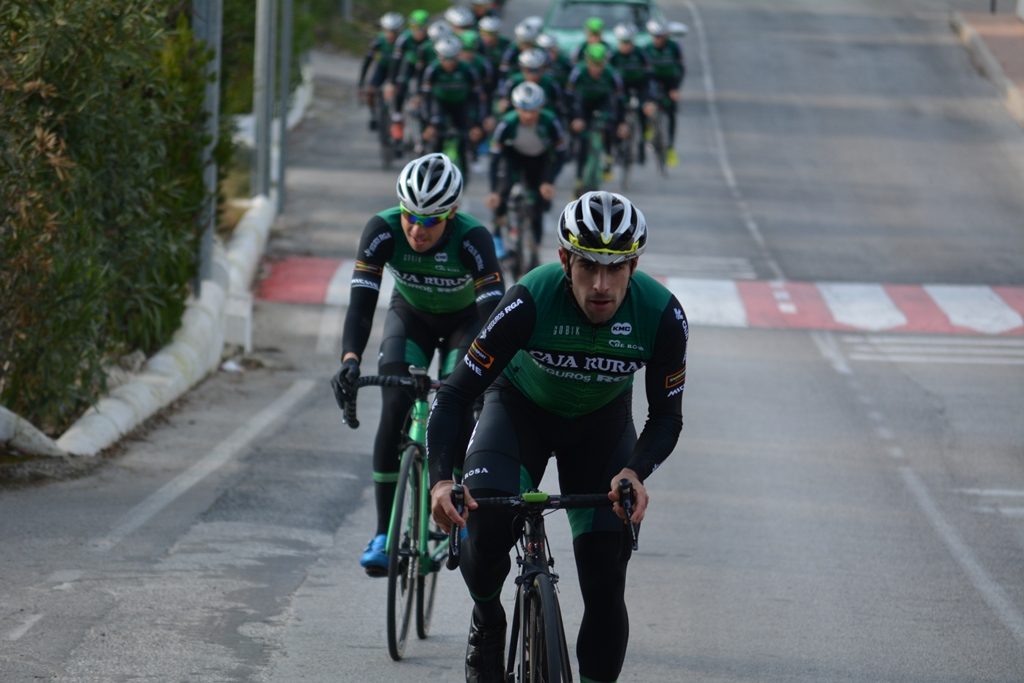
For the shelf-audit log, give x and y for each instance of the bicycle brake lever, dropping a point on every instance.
(455, 533)
(626, 495)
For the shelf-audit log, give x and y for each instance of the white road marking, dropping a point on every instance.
(991, 592)
(18, 632)
(977, 308)
(830, 350)
(938, 350)
(995, 493)
(221, 454)
(709, 302)
(865, 306)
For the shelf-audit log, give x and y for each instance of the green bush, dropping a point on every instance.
(101, 128)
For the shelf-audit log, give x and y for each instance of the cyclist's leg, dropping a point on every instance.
(533, 176)
(402, 346)
(601, 544)
(506, 455)
(453, 348)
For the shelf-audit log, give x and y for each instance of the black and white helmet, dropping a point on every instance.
(625, 32)
(532, 58)
(603, 227)
(490, 24)
(528, 96)
(429, 185)
(448, 47)
(459, 16)
(392, 21)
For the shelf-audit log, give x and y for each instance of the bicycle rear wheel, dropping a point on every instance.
(543, 656)
(403, 558)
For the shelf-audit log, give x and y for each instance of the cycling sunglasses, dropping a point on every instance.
(424, 221)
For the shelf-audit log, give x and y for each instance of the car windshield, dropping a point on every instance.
(572, 15)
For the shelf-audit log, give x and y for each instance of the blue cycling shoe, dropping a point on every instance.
(375, 557)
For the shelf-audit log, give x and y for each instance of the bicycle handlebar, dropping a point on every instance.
(419, 382)
(538, 501)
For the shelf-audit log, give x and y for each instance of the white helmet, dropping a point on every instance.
(532, 58)
(438, 30)
(392, 21)
(528, 29)
(528, 96)
(625, 32)
(546, 41)
(490, 24)
(448, 47)
(459, 16)
(603, 227)
(657, 29)
(429, 185)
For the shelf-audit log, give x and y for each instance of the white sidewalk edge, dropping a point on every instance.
(989, 66)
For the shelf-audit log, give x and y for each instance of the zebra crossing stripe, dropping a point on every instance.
(841, 306)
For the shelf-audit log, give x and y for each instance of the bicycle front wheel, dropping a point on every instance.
(403, 549)
(543, 654)
(430, 561)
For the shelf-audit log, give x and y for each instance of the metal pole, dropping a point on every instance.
(284, 88)
(207, 19)
(263, 93)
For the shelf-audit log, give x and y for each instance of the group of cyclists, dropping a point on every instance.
(520, 100)
(539, 370)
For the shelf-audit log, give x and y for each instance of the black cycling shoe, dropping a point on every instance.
(485, 654)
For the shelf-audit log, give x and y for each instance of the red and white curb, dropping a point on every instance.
(842, 306)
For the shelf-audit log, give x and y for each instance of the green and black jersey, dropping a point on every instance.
(667, 64)
(459, 272)
(540, 341)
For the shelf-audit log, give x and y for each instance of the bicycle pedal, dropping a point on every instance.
(436, 535)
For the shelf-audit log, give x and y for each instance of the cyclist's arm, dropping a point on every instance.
(367, 60)
(375, 249)
(506, 332)
(497, 151)
(666, 379)
(478, 255)
(397, 57)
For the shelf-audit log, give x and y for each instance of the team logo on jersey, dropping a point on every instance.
(622, 328)
(676, 379)
(479, 355)
(441, 257)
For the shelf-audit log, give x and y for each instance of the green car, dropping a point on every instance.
(565, 20)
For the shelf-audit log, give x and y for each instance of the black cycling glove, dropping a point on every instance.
(343, 384)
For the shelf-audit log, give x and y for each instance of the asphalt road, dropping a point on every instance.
(842, 506)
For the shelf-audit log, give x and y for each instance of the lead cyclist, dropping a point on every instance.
(557, 359)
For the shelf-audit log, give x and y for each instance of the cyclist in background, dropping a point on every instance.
(460, 18)
(447, 280)
(379, 55)
(593, 29)
(533, 68)
(594, 87)
(559, 65)
(526, 32)
(482, 9)
(452, 94)
(531, 144)
(403, 65)
(557, 360)
(492, 47)
(634, 68)
(668, 69)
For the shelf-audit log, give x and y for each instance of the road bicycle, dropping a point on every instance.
(538, 651)
(519, 246)
(627, 148)
(593, 161)
(659, 132)
(390, 147)
(415, 547)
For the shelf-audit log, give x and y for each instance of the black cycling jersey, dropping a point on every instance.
(457, 272)
(547, 349)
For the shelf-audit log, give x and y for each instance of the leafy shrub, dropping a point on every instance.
(101, 125)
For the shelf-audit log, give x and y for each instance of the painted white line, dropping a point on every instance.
(830, 350)
(337, 288)
(934, 358)
(18, 632)
(914, 340)
(991, 592)
(329, 334)
(999, 352)
(709, 302)
(208, 464)
(975, 307)
(720, 148)
(995, 493)
(865, 306)
(895, 452)
(1015, 513)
